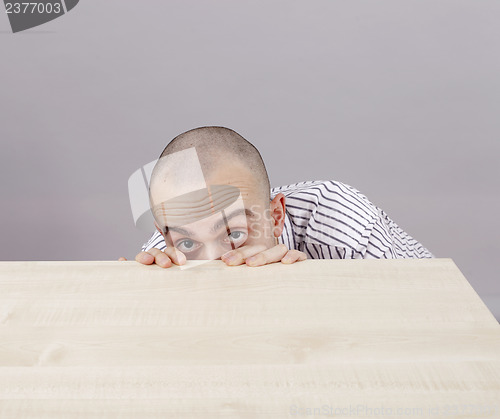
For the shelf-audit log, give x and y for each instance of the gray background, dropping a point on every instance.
(400, 99)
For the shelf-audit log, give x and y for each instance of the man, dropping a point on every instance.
(315, 219)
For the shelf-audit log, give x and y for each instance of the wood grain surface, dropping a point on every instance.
(320, 338)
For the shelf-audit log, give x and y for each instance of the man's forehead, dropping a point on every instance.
(197, 205)
(181, 194)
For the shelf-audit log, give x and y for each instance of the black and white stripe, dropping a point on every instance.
(332, 220)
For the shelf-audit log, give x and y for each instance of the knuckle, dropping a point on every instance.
(260, 248)
(163, 260)
(161, 256)
(260, 257)
(237, 254)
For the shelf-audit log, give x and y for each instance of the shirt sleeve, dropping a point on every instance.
(388, 240)
(332, 220)
(156, 241)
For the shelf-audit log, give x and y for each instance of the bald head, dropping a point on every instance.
(222, 153)
(210, 193)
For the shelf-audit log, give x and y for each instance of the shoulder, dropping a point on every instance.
(329, 212)
(330, 193)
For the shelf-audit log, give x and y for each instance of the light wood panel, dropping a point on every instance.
(122, 340)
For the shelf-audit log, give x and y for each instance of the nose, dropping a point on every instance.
(212, 252)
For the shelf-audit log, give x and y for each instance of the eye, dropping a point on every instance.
(236, 237)
(187, 245)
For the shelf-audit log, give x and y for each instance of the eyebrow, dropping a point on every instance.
(247, 212)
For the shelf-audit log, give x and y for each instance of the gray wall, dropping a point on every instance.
(400, 99)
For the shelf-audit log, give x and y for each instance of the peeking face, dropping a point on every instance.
(211, 237)
(232, 211)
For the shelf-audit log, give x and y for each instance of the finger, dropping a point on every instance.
(145, 258)
(161, 259)
(238, 256)
(293, 256)
(175, 255)
(154, 256)
(122, 258)
(274, 254)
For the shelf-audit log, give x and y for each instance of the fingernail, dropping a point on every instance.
(181, 258)
(231, 258)
(165, 261)
(252, 261)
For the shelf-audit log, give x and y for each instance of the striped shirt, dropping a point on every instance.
(332, 220)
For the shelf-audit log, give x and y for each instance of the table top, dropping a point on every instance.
(316, 338)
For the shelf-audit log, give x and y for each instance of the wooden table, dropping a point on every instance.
(313, 339)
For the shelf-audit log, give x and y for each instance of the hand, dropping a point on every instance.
(260, 255)
(163, 258)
